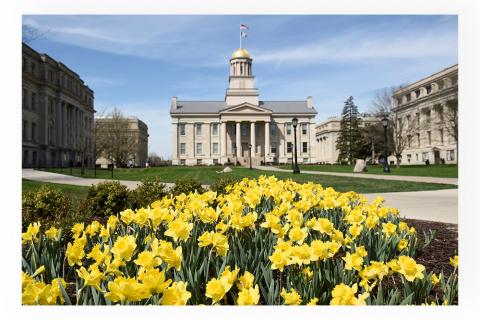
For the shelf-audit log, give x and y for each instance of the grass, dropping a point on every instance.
(76, 193)
(440, 171)
(207, 175)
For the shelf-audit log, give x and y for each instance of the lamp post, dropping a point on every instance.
(295, 166)
(386, 168)
(250, 155)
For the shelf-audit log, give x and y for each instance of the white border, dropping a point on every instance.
(468, 12)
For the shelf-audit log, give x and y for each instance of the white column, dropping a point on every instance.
(252, 138)
(175, 141)
(267, 138)
(238, 134)
(208, 150)
(223, 139)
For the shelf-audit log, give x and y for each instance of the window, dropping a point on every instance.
(24, 98)
(429, 88)
(34, 101)
(181, 128)
(304, 128)
(24, 64)
(182, 162)
(409, 121)
(24, 129)
(50, 76)
(215, 161)
(418, 140)
(199, 162)
(198, 129)
(273, 129)
(182, 148)
(199, 148)
(417, 116)
(429, 134)
(409, 157)
(424, 156)
(25, 156)
(32, 68)
(304, 147)
(289, 147)
(244, 129)
(34, 131)
(215, 129)
(273, 148)
(427, 116)
(416, 156)
(450, 155)
(409, 140)
(440, 132)
(215, 148)
(289, 128)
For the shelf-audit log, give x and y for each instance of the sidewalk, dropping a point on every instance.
(439, 205)
(369, 176)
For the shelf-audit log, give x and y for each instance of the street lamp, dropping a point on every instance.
(386, 168)
(295, 166)
(250, 155)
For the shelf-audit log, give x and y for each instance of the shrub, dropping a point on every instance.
(107, 198)
(186, 186)
(49, 206)
(220, 184)
(150, 190)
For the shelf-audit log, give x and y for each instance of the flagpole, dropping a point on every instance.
(240, 34)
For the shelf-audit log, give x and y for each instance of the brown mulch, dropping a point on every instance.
(436, 256)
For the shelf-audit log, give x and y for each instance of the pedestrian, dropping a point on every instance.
(146, 164)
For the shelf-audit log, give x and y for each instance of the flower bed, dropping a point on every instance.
(264, 241)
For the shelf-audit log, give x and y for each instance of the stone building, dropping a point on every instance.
(219, 132)
(139, 130)
(57, 113)
(326, 135)
(425, 118)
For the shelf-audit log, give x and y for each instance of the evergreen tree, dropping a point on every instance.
(350, 142)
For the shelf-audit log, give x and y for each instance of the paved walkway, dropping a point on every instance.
(440, 205)
(369, 176)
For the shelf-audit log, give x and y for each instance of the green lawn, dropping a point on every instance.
(76, 193)
(207, 175)
(443, 171)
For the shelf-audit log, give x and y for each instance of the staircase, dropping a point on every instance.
(245, 161)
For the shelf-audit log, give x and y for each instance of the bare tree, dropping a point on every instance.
(382, 106)
(30, 34)
(115, 140)
(450, 118)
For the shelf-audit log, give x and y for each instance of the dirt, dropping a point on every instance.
(436, 257)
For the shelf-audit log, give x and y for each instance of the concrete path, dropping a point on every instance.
(439, 205)
(45, 176)
(369, 176)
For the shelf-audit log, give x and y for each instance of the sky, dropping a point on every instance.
(138, 63)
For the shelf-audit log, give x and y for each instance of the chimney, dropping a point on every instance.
(174, 103)
(309, 102)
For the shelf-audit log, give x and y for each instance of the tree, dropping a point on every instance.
(398, 130)
(350, 143)
(373, 136)
(115, 140)
(155, 160)
(451, 120)
(30, 34)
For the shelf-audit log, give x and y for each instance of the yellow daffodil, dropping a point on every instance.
(123, 247)
(249, 296)
(177, 294)
(52, 233)
(291, 298)
(410, 269)
(345, 295)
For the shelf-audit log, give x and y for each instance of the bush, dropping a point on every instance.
(186, 186)
(150, 190)
(220, 184)
(107, 198)
(49, 206)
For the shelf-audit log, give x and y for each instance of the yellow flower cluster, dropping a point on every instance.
(262, 232)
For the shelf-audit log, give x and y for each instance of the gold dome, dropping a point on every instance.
(241, 53)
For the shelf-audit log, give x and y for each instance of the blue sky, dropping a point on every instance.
(137, 63)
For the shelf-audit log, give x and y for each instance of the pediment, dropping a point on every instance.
(245, 108)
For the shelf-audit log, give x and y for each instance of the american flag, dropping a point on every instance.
(243, 27)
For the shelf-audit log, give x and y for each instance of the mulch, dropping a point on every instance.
(436, 257)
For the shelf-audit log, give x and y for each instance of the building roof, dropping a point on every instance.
(277, 107)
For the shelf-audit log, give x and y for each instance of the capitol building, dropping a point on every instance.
(220, 132)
